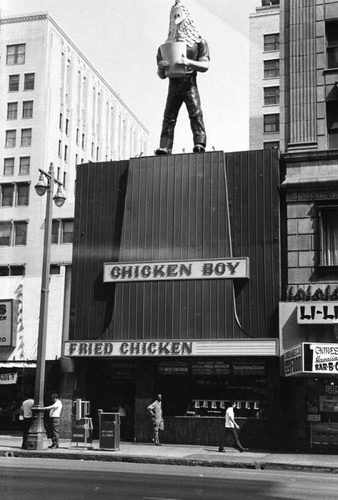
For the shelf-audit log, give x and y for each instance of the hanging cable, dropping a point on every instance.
(231, 253)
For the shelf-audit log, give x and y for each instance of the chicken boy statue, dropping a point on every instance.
(183, 55)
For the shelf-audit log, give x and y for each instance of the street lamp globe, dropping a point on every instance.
(41, 186)
(59, 197)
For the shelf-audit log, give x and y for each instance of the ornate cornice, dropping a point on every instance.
(312, 195)
(23, 19)
(307, 294)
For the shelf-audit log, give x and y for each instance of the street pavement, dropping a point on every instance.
(172, 454)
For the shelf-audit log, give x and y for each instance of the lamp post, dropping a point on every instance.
(37, 434)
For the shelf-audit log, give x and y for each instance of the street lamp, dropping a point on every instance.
(37, 434)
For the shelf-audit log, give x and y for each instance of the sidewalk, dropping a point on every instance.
(207, 456)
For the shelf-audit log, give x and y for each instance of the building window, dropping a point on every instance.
(14, 191)
(60, 121)
(26, 137)
(5, 233)
(20, 233)
(83, 141)
(271, 145)
(12, 270)
(55, 231)
(328, 217)
(13, 84)
(29, 81)
(22, 194)
(64, 179)
(9, 166)
(62, 231)
(332, 44)
(27, 109)
(12, 110)
(77, 136)
(66, 126)
(271, 42)
(13, 233)
(10, 139)
(271, 68)
(271, 96)
(7, 195)
(24, 167)
(65, 157)
(332, 123)
(67, 231)
(55, 269)
(16, 54)
(59, 149)
(271, 123)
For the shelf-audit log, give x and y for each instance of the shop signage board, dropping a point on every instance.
(173, 367)
(8, 378)
(106, 349)
(293, 361)
(121, 272)
(324, 358)
(308, 357)
(322, 313)
(8, 324)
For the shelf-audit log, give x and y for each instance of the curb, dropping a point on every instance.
(103, 457)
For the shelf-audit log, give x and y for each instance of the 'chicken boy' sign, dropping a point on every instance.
(177, 270)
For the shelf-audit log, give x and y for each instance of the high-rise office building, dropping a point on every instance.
(55, 108)
(264, 85)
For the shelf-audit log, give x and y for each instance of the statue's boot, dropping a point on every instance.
(162, 151)
(199, 148)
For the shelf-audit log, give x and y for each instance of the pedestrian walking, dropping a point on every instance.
(27, 419)
(155, 412)
(54, 415)
(231, 429)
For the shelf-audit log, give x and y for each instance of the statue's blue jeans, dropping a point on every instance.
(182, 90)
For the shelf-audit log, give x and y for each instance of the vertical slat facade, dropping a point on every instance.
(176, 208)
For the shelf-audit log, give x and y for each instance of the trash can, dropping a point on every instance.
(109, 430)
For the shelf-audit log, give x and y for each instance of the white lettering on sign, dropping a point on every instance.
(6, 323)
(183, 270)
(293, 361)
(325, 358)
(8, 378)
(128, 348)
(317, 313)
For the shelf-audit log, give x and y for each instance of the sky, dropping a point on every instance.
(120, 39)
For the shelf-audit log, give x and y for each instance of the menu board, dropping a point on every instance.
(122, 370)
(248, 369)
(219, 368)
(173, 368)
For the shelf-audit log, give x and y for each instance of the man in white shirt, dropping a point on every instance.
(54, 415)
(27, 414)
(231, 428)
(155, 412)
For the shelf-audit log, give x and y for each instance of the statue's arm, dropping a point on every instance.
(201, 65)
(161, 65)
(161, 69)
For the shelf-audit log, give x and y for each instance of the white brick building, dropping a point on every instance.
(264, 76)
(55, 108)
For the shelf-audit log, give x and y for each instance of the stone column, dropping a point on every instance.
(300, 37)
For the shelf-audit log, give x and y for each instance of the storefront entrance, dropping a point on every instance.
(195, 393)
(111, 388)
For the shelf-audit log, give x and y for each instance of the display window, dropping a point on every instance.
(203, 388)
